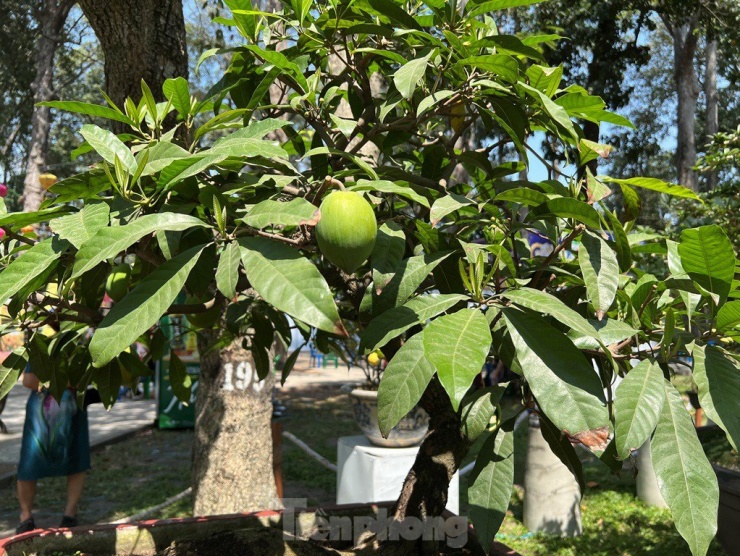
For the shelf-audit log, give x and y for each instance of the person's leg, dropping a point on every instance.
(26, 495)
(74, 492)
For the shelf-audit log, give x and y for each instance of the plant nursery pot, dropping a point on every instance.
(410, 431)
(299, 532)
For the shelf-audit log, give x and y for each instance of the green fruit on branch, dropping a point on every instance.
(347, 229)
(205, 319)
(116, 285)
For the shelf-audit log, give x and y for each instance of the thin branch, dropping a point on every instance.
(578, 230)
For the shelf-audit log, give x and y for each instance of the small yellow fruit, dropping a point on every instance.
(457, 117)
(373, 358)
(116, 285)
(47, 180)
(347, 229)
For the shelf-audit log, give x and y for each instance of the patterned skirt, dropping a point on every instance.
(55, 437)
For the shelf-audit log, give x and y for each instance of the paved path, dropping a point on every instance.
(306, 375)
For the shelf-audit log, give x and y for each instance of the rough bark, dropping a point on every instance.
(51, 18)
(687, 89)
(141, 39)
(232, 447)
(712, 96)
(425, 489)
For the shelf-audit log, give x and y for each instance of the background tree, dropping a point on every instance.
(50, 15)
(140, 39)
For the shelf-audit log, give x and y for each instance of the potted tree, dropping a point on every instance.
(428, 113)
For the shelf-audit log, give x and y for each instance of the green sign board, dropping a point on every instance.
(171, 412)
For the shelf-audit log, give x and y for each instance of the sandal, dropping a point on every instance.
(25, 526)
(68, 521)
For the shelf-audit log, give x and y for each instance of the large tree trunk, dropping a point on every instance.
(232, 448)
(710, 91)
(51, 18)
(141, 39)
(687, 89)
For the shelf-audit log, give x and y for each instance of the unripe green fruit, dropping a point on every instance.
(206, 319)
(347, 229)
(116, 285)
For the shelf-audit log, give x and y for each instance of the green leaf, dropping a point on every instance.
(447, 204)
(395, 13)
(728, 316)
(30, 264)
(275, 213)
(279, 60)
(182, 384)
(290, 283)
(110, 241)
(638, 402)
(385, 186)
(491, 483)
(543, 302)
(108, 146)
(142, 307)
(545, 79)
(184, 168)
(161, 155)
(301, 8)
(247, 148)
(227, 273)
(404, 381)
(81, 186)
(685, 477)
(80, 226)
(176, 91)
(390, 244)
(397, 320)
(654, 184)
(708, 258)
(88, 109)
(611, 331)
(408, 77)
(18, 220)
(478, 8)
(600, 270)
(408, 277)
(503, 65)
(566, 207)
(430, 101)
(565, 384)
(522, 195)
(457, 345)
(10, 369)
(257, 129)
(477, 409)
(717, 377)
(108, 382)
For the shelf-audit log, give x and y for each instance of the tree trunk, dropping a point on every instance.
(687, 88)
(51, 18)
(710, 91)
(141, 39)
(232, 447)
(425, 489)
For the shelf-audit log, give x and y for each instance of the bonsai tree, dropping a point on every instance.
(427, 111)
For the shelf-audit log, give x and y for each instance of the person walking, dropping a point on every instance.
(55, 443)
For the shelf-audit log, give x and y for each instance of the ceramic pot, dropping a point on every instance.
(410, 431)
